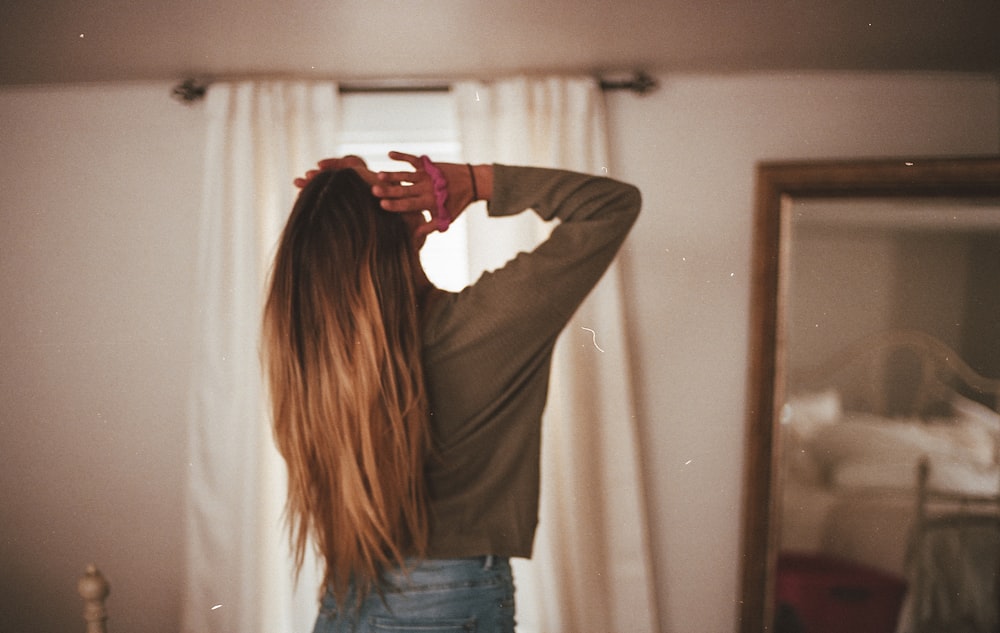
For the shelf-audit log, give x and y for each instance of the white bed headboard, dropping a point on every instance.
(898, 372)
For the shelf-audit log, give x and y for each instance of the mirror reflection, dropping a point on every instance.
(887, 440)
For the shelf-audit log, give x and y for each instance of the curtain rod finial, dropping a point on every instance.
(640, 83)
(190, 91)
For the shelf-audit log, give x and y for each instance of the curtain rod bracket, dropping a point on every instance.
(190, 91)
(640, 83)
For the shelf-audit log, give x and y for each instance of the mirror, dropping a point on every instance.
(855, 260)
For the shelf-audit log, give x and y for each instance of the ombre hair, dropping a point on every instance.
(341, 351)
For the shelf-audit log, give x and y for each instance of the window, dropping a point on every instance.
(415, 123)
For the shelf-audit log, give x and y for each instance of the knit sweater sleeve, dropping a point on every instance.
(495, 330)
(594, 215)
(488, 351)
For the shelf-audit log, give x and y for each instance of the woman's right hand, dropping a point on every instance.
(408, 191)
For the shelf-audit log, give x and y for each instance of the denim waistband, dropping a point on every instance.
(419, 571)
(435, 591)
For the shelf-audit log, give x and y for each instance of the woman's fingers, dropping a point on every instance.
(403, 182)
(302, 181)
(408, 158)
(404, 191)
(395, 191)
(404, 204)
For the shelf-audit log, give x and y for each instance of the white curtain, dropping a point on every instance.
(592, 567)
(259, 137)
(592, 570)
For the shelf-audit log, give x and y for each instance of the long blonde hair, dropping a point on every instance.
(342, 358)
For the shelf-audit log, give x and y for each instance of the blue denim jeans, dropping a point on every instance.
(463, 595)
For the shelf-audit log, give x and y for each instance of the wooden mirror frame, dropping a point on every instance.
(778, 184)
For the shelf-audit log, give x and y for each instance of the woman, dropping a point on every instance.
(409, 417)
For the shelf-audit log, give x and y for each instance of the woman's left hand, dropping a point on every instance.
(347, 162)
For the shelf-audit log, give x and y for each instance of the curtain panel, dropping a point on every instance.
(591, 571)
(260, 136)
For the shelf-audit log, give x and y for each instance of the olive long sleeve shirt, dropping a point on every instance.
(488, 353)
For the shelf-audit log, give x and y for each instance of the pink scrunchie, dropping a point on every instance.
(442, 219)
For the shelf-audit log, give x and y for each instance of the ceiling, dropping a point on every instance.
(57, 41)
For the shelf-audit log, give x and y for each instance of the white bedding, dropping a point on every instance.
(824, 445)
(849, 479)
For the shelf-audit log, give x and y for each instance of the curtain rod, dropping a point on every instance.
(192, 90)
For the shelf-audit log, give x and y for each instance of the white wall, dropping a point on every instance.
(691, 147)
(99, 190)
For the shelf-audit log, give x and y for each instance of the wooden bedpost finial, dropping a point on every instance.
(93, 587)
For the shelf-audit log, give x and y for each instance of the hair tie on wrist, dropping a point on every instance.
(475, 190)
(442, 219)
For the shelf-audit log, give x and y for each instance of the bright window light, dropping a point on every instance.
(418, 123)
